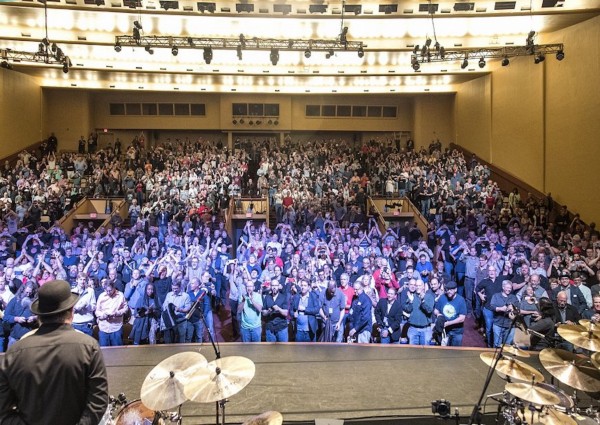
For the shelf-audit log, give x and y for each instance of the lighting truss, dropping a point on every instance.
(266, 44)
(37, 57)
(489, 53)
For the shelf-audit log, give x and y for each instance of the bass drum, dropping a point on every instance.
(135, 413)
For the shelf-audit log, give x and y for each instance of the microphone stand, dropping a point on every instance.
(475, 417)
(220, 405)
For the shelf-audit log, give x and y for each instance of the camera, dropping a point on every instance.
(441, 407)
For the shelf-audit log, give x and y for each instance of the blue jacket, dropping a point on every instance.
(361, 318)
(312, 309)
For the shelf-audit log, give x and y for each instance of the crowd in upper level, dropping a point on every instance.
(327, 271)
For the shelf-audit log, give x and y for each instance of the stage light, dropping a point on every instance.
(174, 50)
(505, 61)
(424, 50)
(539, 58)
(442, 53)
(307, 53)
(560, 55)
(149, 49)
(54, 47)
(415, 63)
(239, 51)
(5, 65)
(59, 55)
(361, 52)
(464, 64)
(118, 47)
(137, 25)
(136, 35)
(416, 49)
(190, 41)
(208, 55)
(329, 54)
(428, 42)
(274, 56)
(481, 63)
(65, 68)
(45, 41)
(344, 36)
(41, 49)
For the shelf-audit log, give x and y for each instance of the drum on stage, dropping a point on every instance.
(135, 413)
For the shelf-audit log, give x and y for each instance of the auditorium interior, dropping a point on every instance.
(513, 82)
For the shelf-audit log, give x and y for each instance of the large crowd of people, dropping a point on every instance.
(326, 271)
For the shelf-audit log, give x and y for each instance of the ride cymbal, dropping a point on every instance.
(533, 394)
(163, 387)
(581, 336)
(571, 369)
(220, 379)
(514, 368)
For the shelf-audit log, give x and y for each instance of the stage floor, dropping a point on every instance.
(338, 381)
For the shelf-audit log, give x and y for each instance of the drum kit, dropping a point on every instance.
(533, 401)
(186, 377)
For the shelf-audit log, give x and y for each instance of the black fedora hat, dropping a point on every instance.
(54, 297)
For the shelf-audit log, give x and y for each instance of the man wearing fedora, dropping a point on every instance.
(57, 374)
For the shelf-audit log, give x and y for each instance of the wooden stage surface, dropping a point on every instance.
(308, 381)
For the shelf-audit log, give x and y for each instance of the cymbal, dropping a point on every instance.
(548, 416)
(515, 351)
(267, 418)
(514, 368)
(571, 369)
(587, 322)
(532, 394)
(163, 387)
(580, 336)
(596, 359)
(220, 379)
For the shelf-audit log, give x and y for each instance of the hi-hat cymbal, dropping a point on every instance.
(571, 369)
(596, 359)
(163, 388)
(515, 351)
(220, 379)
(267, 418)
(548, 416)
(580, 336)
(532, 394)
(514, 368)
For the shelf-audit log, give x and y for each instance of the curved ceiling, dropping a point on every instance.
(86, 33)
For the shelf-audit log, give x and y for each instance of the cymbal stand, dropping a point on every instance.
(220, 405)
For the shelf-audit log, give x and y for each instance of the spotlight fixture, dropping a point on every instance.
(118, 47)
(137, 36)
(190, 41)
(174, 50)
(465, 63)
(149, 49)
(539, 58)
(41, 49)
(442, 53)
(481, 63)
(65, 68)
(428, 42)
(361, 52)
(45, 41)
(54, 47)
(274, 56)
(415, 63)
(424, 50)
(307, 53)
(137, 25)
(560, 55)
(59, 55)
(329, 54)
(208, 55)
(416, 49)
(344, 37)
(505, 61)
(239, 51)
(242, 41)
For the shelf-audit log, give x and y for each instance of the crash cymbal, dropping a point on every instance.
(581, 336)
(267, 418)
(163, 387)
(571, 369)
(587, 322)
(596, 359)
(547, 416)
(514, 368)
(220, 379)
(532, 394)
(513, 350)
